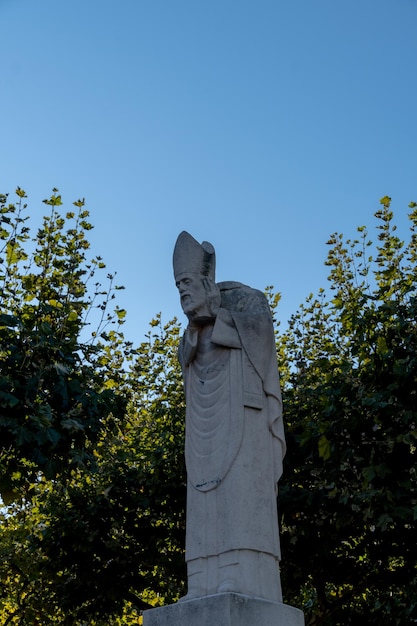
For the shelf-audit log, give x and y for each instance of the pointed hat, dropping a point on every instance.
(190, 257)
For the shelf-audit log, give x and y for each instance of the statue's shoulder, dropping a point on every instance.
(238, 297)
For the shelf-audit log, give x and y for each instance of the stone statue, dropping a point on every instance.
(234, 430)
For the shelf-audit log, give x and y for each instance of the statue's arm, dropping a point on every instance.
(188, 346)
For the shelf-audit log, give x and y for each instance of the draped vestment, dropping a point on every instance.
(234, 431)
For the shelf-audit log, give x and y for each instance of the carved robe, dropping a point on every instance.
(234, 432)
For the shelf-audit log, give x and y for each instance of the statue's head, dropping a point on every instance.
(194, 271)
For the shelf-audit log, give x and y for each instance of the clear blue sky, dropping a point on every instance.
(261, 126)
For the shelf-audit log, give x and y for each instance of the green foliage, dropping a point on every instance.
(92, 432)
(349, 492)
(53, 391)
(118, 534)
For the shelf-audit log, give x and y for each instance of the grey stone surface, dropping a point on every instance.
(234, 430)
(225, 609)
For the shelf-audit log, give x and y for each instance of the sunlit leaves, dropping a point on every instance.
(48, 363)
(349, 487)
(92, 428)
(91, 435)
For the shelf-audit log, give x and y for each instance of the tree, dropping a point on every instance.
(92, 428)
(117, 535)
(349, 491)
(55, 394)
(84, 507)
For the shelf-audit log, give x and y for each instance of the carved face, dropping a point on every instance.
(193, 295)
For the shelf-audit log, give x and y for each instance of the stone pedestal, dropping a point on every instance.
(224, 609)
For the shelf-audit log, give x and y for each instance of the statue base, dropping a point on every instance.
(224, 609)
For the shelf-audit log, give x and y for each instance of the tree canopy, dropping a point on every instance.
(349, 497)
(92, 475)
(91, 469)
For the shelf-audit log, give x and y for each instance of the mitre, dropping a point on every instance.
(190, 257)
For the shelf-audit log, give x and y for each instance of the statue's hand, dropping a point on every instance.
(197, 321)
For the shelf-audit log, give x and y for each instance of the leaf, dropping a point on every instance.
(8, 495)
(53, 436)
(73, 316)
(384, 520)
(55, 303)
(7, 399)
(121, 314)
(72, 425)
(20, 192)
(324, 448)
(8, 320)
(12, 253)
(61, 369)
(382, 347)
